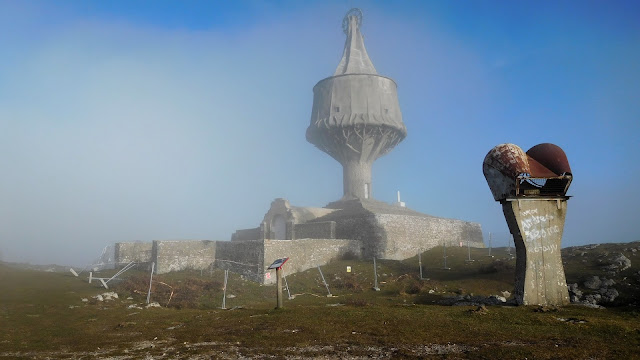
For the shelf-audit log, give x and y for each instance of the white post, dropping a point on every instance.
(375, 275)
(103, 283)
(224, 289)
(490, 239)
(286, 285)
(90, 276)
(325, 282)
(420, 264)
(444, 255)
(153, 266)
(126, 268)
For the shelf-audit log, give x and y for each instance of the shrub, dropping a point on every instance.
(496, 266)
(184, 294)
(348, 282)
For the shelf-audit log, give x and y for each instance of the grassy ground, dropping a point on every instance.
(42, 315)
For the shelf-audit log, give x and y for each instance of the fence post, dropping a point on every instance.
(444, 256)
(490, 245)
(375, 275)
(286, 284)
(224, 289)
(325, 282)
(153, 265)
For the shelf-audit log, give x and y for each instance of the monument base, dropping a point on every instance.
(537, 225)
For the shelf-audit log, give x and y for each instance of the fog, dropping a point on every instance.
(114, 129)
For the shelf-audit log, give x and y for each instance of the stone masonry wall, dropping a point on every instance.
(388, 236)
(242, 257)
(305, 254)
(316, 230)
(246, 234)
(404, 236)
(183, 254)
(126, 252)
(361, 228)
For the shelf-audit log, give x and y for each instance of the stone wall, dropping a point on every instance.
(246, 234)
(179, 255)
(403, 236)
(126, 252)
(316, 230)
(361, 228)
(242, 257)
(388, 236)
(306, 254)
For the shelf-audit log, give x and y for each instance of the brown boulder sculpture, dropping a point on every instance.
(532, 189)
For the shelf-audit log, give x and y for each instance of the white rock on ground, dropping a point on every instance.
(593, 282)
(618, 262)
(105, 296)
(499, 298)
(111, 294)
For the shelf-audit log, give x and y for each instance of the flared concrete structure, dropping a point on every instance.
(532, 189)
(537, 226)
(356, 117)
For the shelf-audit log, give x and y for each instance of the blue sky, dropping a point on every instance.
(143, 120)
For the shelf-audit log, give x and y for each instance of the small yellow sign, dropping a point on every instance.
(348, 268)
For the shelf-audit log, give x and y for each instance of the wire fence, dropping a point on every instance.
(257, 272)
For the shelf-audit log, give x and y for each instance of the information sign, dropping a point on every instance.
(278, 263)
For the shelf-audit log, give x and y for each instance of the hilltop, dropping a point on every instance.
(57, 315)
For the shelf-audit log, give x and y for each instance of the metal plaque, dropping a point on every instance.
(278, 263)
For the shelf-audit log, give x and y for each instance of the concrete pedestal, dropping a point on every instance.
(356, 176)
(537, 226)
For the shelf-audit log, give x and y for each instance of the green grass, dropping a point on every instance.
(402, 320)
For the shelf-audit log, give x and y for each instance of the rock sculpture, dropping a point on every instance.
(532, 189)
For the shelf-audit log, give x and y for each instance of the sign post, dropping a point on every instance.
(375, 275)
(278, 266)
(279, 285)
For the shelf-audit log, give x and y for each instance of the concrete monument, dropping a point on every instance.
(355, 119)
(532, 189)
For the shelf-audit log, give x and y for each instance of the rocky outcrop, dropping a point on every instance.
(598, 292)
(618, 262)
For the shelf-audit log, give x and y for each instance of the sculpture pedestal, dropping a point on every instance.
(537, 226)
